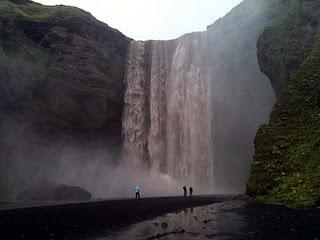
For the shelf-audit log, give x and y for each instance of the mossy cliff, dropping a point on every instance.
(61, 66)
(286, 168)
(61, 94)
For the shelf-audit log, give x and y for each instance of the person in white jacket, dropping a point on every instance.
(137, 191)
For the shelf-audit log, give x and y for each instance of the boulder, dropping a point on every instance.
(64, 192)
(56, 193)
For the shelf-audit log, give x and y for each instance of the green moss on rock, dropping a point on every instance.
(32, 11)
(62, 68)
(286, 168)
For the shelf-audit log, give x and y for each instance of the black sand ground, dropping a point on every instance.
(73, 221)
(229, 220)
(223, 218)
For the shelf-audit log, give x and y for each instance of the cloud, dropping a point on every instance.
(154, 19)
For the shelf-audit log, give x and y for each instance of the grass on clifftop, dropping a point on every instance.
(36, 12)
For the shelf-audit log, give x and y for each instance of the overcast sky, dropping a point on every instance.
(154, 19)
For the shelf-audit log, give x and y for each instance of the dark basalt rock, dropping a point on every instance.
(64, 192)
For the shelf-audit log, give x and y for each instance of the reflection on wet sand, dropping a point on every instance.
(208, 222)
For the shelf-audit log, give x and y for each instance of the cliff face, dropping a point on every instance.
(242, 96)
(61, 65)
(286, 167)
(61, 86)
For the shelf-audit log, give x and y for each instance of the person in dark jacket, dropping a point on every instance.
(184, 191)
(191, 191)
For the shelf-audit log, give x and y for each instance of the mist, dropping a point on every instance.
(31, 161)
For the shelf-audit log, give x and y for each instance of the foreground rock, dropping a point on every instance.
(64, 192)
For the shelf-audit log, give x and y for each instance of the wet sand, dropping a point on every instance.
(205, 217)
(232, 220)
(82, 219)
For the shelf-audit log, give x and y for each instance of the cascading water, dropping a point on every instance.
(136, 118)
(167, 117)
(193, 104)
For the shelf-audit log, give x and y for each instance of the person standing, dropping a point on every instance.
(137, 191)
(184, 191)
(191, 191)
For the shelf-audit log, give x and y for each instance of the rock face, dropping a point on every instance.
(184, 104)
(61, 80)
(62, 65)
(286, 169)
(242, 96)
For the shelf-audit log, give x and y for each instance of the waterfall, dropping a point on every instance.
(193, 104)
(167, 118)
(136, 118)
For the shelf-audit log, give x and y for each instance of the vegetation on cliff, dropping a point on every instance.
(61, 65)
(61, 92)
(286, 168)
(36, 12)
